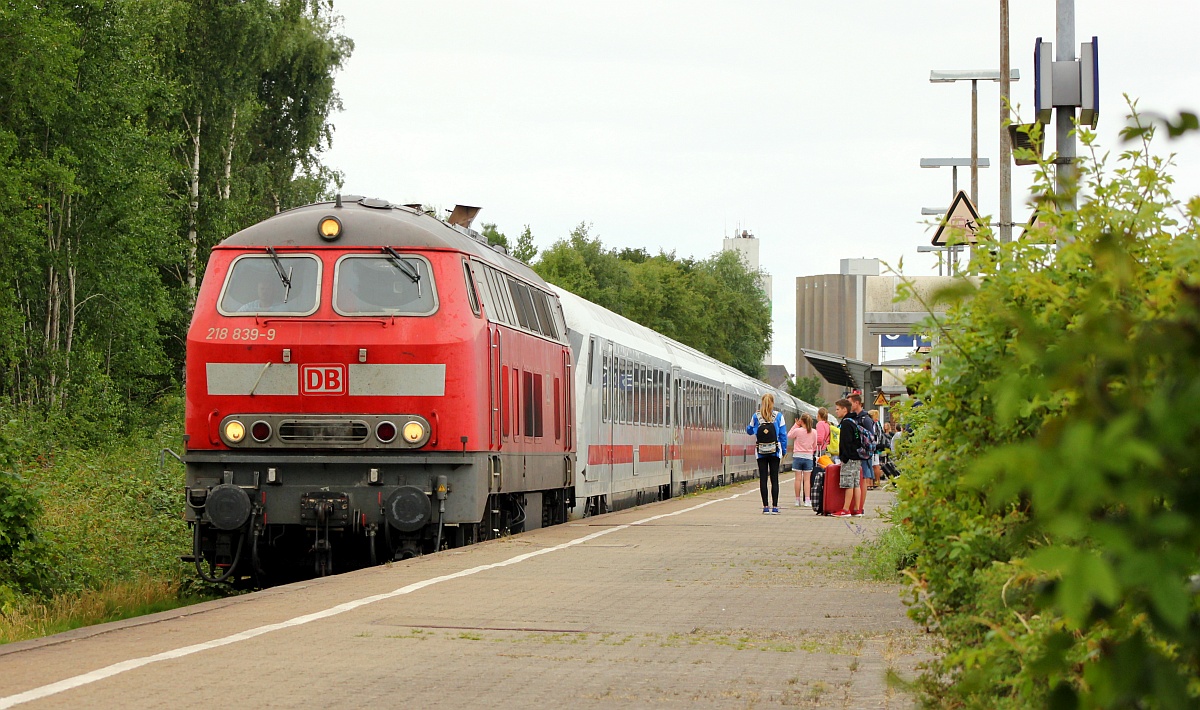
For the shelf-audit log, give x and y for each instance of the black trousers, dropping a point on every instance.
(768, 467)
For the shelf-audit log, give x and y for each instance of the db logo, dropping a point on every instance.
(323, 379)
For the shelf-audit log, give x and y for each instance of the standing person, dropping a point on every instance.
(767, 428)
(823, 432)
(851, 472)
(804, 454)
(866, 430)
(880, 447)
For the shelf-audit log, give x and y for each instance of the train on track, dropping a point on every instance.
(367, 382)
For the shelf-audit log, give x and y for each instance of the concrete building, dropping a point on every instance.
(846, 313)
(745, 243)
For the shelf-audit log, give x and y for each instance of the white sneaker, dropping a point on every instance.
(807, 503)
(798, 504)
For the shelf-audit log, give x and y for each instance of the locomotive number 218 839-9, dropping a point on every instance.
(239, 334)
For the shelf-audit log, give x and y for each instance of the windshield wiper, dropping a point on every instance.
(286, 278)
(404, 266)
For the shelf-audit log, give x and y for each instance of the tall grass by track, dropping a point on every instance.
(29, 617)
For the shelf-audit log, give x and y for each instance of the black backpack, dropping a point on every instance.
(767, 438)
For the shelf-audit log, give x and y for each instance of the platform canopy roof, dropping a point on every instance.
(840, 370)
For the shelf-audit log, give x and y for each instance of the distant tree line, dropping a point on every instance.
(715, 305)
(134, 135)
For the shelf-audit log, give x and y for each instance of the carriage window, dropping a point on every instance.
(605, 388)
(265, 283)
(384, 285)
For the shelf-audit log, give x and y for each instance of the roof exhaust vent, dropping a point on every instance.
(463, 216)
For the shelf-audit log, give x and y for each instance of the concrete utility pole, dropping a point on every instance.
(1006, 216)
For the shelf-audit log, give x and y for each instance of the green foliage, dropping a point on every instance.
(1050, 482)
(714, 305)
(494, 236)
(102, 101)
(94, 516)
(886, 555)
(808, 389)
(525, 250)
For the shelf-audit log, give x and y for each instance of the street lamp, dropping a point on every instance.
(973, 162)
(939, 76)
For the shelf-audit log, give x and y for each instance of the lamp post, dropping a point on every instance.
(939, 76)
(974, 162)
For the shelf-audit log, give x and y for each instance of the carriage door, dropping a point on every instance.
(727, 425)
(676, 438)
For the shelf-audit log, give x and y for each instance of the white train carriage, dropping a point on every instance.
(655, 418)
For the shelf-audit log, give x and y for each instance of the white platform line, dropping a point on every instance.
(118, 668)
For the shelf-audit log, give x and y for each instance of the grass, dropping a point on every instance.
(882, 557)
(26, 617)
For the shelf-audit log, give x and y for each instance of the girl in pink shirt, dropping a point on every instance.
(822, 430)
(803, 455)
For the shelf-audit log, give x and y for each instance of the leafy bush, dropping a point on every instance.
(1050, 482)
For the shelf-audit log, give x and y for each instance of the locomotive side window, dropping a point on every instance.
(471, 296)
(384, 285)
(503, 298)
(541, 304)
(269, 283)
(484, 290)
(523, 301)
(533, 405)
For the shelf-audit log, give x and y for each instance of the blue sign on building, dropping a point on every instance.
(904, 341)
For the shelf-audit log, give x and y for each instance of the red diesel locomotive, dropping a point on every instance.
(348, 399)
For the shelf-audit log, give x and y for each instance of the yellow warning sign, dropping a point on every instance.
(961, 224)
(880, 400)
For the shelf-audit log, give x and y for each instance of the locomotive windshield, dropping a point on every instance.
(391, 284)
(271, 284)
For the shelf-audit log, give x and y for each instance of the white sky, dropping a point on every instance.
(667, 124)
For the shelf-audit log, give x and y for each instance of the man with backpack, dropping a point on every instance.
(869, 432)
(855, 450)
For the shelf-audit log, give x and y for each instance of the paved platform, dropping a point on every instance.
(700, 601)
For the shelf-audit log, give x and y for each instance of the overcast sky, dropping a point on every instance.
(668, 125)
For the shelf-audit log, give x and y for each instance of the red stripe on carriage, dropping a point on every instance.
(604, 454)
(650, 452)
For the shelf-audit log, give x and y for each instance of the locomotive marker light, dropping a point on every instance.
(330, 228)
(413, 432)
(386, 432)
(235, 431)
(260, 430)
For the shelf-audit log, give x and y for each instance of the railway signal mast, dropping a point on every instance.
(1060, 85)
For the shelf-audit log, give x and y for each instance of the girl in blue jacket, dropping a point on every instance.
(768, 455)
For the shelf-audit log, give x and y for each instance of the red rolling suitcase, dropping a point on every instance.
(833, 497)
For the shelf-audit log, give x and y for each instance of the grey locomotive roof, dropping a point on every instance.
(370, 223)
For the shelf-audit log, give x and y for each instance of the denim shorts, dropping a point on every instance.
(799, 463)
(868, 471)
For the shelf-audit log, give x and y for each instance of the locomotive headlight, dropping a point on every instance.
(330, 228)
(413, 432)
(235, 431)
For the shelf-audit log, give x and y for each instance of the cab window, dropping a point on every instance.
(287, 285)
(394, 284)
